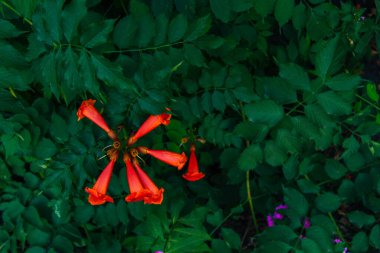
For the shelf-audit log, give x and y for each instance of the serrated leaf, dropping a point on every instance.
(335, 169)
(73, 13)
(283, 11)
(333, 104)
(88, 74)
(177, 28)
(221, 9)
(290, 168)
(278, 89)
(125, 32)
(343, 82)
(231, 237)
(327, 202)
(250, 157)
(296, 201)
(320, 236)
(97, 33)
(218, 101)
(307, 186)
(324, 58)
(265, 111)
(275, 246)
(295, 75)
(274, 155)
(45, 149)
(59, 128)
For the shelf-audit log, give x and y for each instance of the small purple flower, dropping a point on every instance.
(345, 250)
(306, 223)
(270, 221)
(278, 216)
(159, 251)
(337, 240)
(279, 207)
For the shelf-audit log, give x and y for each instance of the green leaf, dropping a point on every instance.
(16, 78)
(146, 30)
(343, 82)
(274, 155)
(221, 9)
(335, 169)
(97, 33)
(372, 92)
(45, 149)
(241, 5)
(333, 104)
(8, 30)
(218, 101)
(62, 244)
(361, 219)
(296, 201)
(35, 249)
(324, 58)
(283, 11)
(295, 75)
(194, 56)
(374, 237)
(307, 186)
(186, 238)
(360, 242)
(310, 246)
(321, 237)
(177, 28)
(264, 7)
(250, 157)
(327, 202)
(265, 111)
(300, 16)
(199, 28)
(277, 233)
(275, 246)
(37, 237)
(73, 13)
(231, 237)
(87, 71)
(125, 32)
(278, 89)
(290, 168)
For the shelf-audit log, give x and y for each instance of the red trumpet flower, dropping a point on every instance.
(140, 185)
(193, 173)
(150, 124)
(98, 192)
(156, 195)
(171, 158)
(88, 110)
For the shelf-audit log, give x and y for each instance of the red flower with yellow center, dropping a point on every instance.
(88, 110)
(97, 194)
(193, 173)
(168, 157)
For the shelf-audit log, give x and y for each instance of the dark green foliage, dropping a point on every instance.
(280, 90)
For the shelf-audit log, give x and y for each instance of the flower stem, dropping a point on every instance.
(250, 202)
(16, 12)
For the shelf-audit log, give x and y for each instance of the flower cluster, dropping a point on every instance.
(141, 187)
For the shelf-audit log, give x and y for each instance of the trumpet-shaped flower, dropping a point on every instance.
(88, 110)
(156, 195)
(171, 158)
(150, 124)
(193, 173)
(137, 190)
(97, 194)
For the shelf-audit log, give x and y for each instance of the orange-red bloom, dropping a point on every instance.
(156, 195)
(140, 185)
(150, 124)
(98, 192)
(171, 158)
(193, 173)
(88, 110)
